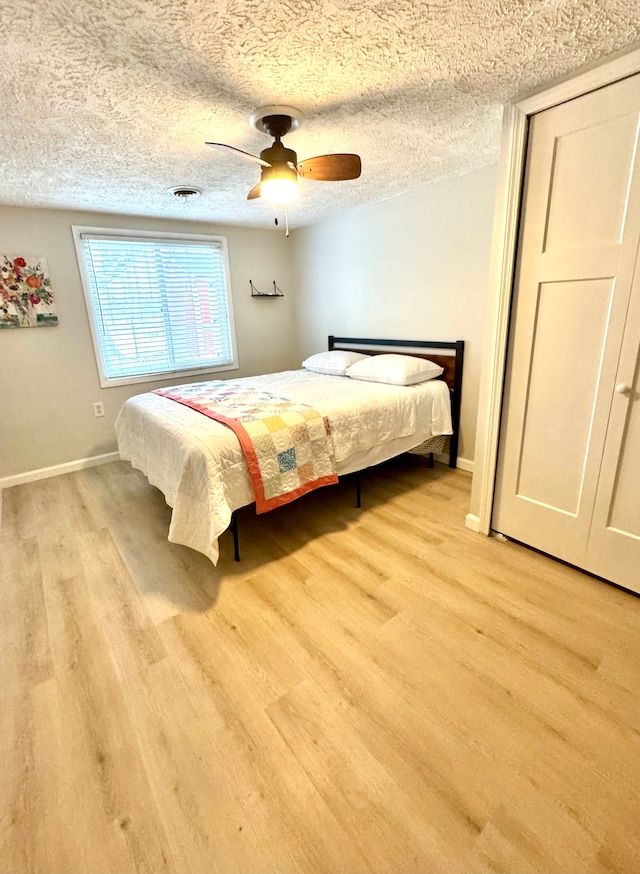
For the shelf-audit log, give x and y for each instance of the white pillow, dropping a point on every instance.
(334, 363)
(395, 369)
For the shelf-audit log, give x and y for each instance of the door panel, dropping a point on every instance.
(588, 202)
(614, 540)
(580, 227)
(569, 333)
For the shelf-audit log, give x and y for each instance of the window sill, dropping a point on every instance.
(166, 375)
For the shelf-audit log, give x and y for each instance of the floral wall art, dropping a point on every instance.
(26, 296)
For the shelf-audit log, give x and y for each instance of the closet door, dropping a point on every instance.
(579, 238)
(614, 541)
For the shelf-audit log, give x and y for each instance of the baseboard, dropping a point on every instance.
(57, 470)
(30, 476)
(472, 522)
(462, 463)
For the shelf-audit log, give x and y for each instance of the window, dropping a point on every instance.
(159, 305)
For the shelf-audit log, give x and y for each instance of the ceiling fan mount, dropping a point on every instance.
(281, 169)
(276, 120)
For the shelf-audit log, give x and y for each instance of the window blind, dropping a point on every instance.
(160, 305)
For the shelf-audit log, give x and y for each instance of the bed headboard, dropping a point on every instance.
(449, 354)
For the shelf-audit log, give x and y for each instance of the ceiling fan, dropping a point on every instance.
(280, 166)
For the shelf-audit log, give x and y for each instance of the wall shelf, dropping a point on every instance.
(275, 293)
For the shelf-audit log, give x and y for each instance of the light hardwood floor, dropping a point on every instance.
(375, 690)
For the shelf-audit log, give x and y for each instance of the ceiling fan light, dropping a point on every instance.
(279, 189)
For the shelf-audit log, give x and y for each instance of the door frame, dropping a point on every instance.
(515, 126)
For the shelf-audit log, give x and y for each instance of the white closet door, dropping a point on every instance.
(614, 540)
(578, 244)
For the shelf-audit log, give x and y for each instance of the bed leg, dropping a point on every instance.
(430, 462)
(358, 491)
(234, 531)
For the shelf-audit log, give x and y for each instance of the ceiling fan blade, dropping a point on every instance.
(242, 154)
(255, 192)
(330, 168)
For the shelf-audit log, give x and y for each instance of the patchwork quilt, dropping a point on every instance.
(287, 445)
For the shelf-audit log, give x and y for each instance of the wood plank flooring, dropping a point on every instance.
(374, 690)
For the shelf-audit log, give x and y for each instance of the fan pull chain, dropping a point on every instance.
(286, 219)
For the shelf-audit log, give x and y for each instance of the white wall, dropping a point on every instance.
(414, 267)
(49, 375)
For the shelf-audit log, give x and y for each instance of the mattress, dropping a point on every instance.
(198, 465)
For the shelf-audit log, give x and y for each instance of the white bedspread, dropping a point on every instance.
(198, 464)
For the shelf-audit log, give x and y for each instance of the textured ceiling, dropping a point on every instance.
(104, 104)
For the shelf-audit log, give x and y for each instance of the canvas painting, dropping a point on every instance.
(26, 296)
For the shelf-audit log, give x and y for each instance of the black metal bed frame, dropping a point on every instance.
(452, 376)
(455, 383)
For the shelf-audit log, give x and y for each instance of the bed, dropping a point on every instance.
(198, 463)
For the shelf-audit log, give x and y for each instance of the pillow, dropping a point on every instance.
(395, 369)
(334, 363)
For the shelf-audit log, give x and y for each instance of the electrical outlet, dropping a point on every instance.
(98, 409)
